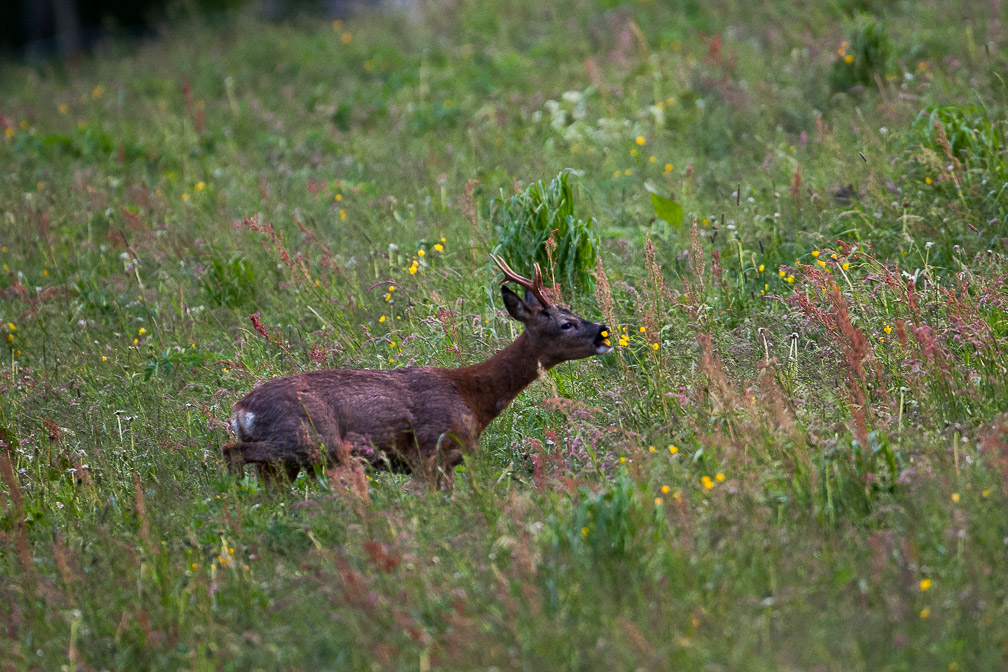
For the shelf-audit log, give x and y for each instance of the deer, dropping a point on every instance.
(417, 419)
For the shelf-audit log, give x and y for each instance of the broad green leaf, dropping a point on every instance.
(667, 209)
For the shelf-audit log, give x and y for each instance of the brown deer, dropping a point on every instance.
(423, 419)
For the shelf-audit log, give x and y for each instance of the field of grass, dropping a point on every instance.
(796, 458)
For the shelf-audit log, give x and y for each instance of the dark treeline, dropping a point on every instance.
(64, 28)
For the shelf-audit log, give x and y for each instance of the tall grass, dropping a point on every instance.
(795, 458)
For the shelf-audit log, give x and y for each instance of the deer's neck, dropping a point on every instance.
(488, 387)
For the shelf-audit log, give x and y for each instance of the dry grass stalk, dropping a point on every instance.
(274, 243)
(141, 510)
(654, 271)
(469, 203)
(348, 473)
(696, 263)
(61, 555)
(854, 346)
(942, 139)
(20, 527)
(603, 293)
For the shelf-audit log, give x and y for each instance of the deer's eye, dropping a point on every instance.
(566, 326)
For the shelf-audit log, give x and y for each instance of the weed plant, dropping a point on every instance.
(539, 225)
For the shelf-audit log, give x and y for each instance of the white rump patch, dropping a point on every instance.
(242, 423)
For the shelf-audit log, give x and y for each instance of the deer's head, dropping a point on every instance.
(556, 333)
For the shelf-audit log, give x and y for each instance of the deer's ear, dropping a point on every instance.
(516, 308)
(531, 301)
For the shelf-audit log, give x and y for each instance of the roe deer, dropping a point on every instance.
(420, 418)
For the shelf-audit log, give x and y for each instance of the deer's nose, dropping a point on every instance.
(602, 342)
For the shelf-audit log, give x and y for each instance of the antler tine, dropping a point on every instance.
(510, 274)
(535, 286)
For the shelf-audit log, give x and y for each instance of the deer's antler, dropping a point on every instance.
(535, 285)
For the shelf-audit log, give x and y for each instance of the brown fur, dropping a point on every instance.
(421, 418)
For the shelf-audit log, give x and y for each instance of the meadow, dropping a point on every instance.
(795, 218)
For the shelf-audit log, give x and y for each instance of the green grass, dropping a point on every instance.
(796, 459)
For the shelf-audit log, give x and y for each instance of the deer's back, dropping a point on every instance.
(396, 410)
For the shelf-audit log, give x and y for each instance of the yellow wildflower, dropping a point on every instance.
(925, 584)
(438, 247)
(672, 449)
(640, 140)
